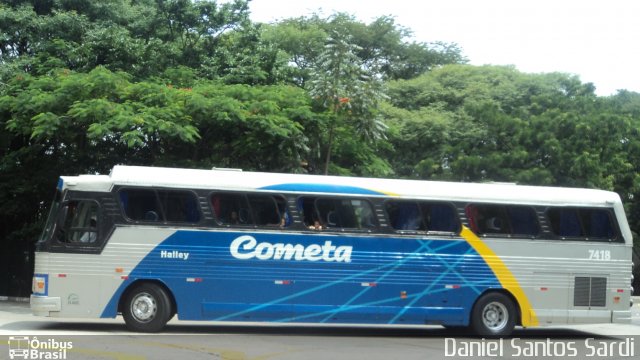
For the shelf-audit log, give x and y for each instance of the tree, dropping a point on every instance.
(382, 46)
(75, 123)
(342, 85)
(143, 38)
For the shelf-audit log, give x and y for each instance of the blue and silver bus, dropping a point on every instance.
(226, 245)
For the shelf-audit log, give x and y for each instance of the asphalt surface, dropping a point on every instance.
(108, 339)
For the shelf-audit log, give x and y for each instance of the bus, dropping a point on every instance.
(150, 243)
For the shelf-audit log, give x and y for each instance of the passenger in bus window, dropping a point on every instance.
(90, 235)
(316, 225)
(151, 216)
(285, 220)
(494, 225)
(234, 219)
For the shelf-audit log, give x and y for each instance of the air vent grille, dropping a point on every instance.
(590, 291)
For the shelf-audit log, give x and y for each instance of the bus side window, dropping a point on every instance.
(231, 209)
(598, 223)
(283, 212)
(80, 223)
(328, 213)
(140, 205)
(340, 213)
(264, 209)
(404, 215)
(422, 216)
(492, 220)
(306, 205)
(472, 216)
(565, 222)
(523, 220)
(180, 206)
(503, 219)
(440, 217)
(366, 217)
(582, 223)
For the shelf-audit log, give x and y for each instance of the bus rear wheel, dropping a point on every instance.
(493, 315)
(147, 308)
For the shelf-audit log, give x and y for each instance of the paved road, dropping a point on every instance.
(108, 339)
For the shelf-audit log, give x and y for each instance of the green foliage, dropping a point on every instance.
(494, 123)
(382, 46)
(212, 121)
(348, 90)
(85, 85)
(143, 38)
(259, 128)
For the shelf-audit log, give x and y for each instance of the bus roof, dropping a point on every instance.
(235, 180)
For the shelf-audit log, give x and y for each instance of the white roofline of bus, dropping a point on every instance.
(436, 190)
(504, 193)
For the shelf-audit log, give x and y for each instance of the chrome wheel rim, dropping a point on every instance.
(495, 316)
(144, 307)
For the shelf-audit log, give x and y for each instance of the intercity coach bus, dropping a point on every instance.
(226, 245)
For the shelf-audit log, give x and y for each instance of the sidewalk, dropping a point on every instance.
(14, 299)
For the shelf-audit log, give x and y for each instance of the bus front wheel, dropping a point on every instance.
(147, 308)
(493, 315)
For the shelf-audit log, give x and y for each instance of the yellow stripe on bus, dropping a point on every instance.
(504, 275)
(384, 192)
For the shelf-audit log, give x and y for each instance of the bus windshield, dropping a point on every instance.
(51, 219)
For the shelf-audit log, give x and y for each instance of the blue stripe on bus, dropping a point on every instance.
(321, 188)
(415, 281)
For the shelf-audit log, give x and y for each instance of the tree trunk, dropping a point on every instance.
(329, 146)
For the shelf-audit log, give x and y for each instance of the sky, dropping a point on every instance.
(598, 40)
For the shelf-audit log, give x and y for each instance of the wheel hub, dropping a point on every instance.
(495, 316)
(144, 307)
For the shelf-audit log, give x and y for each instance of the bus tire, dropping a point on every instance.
(147, 308)
(493, 315)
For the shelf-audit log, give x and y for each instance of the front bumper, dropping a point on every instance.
(44, 305)
(621, 317)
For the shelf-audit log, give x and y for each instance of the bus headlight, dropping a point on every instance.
(39, 285)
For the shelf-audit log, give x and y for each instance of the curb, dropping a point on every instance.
(14, 299)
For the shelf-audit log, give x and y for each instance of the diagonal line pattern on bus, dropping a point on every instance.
(324, 286)
(428, 289)
(451, 269)
(411, 256)
(372, 303)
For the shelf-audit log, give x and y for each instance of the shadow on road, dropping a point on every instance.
(294, 330)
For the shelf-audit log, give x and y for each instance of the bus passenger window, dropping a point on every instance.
(311, 218)
(140, 205)
(404, 215)
(148, 205)
(565, 222)
(440, 217)
(283, 212)
(594, 224)
(523, 220)
(503, 219)
(264, 210)
(422, 216)
(492, 220)
(328, 214)
(180, 206)
(598, 224)
(231, 209)
(81, 223)
(365, 216)
(338, 213)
